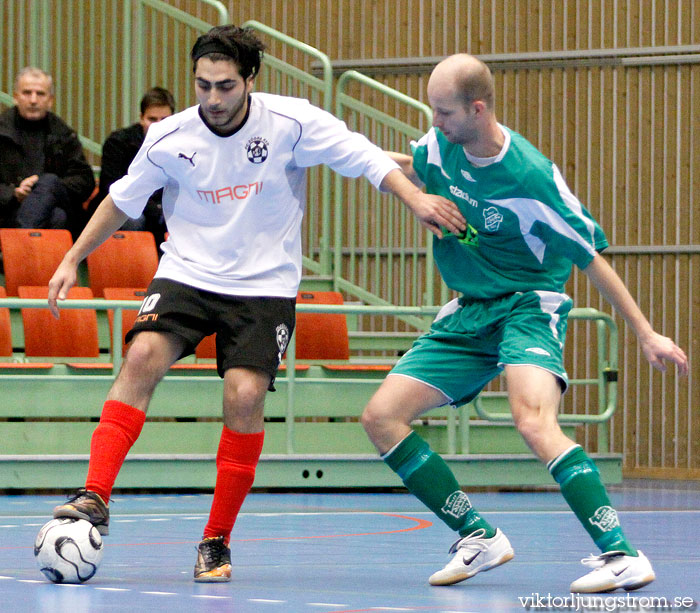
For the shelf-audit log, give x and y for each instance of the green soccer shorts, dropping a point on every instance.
(471, 341)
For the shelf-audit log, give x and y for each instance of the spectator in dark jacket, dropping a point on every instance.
(119, 150)
(44, 176)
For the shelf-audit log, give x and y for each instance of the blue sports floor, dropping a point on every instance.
(343, 553)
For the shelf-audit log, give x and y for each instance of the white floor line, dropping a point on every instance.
(113, 589)
(168, 516)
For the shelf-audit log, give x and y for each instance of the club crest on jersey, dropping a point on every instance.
(282, 336)
(256, 150)
(457, 504)
(605, 518)
(492, 219)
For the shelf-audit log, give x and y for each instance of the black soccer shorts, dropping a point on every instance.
(250, 331)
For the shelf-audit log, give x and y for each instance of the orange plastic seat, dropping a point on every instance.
(6, 346)
(125, 259)
(30, 257)
(24, 367)
(321, 336)
(206, 348)
(194, 367)
(128, 315)
(74, 334)
(324, 336)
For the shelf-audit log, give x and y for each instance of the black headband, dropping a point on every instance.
(212, 46)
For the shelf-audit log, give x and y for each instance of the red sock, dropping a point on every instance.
(235, 471)
(119, 427)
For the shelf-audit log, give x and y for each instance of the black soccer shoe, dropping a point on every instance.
(88, 505)
(213, 561)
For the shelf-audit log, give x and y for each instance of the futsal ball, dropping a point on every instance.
(68, 550)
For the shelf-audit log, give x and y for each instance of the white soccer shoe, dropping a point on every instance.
(474, 554)
(613, 570)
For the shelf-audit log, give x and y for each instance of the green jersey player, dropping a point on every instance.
(524, 231)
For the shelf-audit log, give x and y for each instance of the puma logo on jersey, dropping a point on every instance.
(190, 159)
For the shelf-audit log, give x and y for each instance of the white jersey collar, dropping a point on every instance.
(477, 161)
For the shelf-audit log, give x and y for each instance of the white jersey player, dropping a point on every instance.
(234, 204)
(233, 174)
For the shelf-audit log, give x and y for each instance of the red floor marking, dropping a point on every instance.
(421, 524)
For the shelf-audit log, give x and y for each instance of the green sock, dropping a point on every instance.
(429, 479)
(582, 488)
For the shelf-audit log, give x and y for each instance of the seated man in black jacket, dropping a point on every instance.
(119, 150)
(44, 176)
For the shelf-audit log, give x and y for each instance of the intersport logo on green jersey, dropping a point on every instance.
(460, 193)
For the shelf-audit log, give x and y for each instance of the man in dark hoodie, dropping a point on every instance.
(120, 149)
(44, 176)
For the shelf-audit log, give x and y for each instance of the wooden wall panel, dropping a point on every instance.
(626, 139)
(387, 28)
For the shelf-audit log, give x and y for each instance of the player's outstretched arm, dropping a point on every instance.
(406, 164)
(431, 210)
(106, 220)
(656, 348)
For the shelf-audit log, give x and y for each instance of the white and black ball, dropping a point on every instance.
(68, 550)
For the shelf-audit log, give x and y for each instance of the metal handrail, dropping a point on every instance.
(177, 15)
(326, 70)
(625, 56)
(607, 357)
(171, 11)
(607, 374)
(325, 85)
(344, 102)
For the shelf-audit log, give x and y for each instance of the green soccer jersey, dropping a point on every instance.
(525, 227)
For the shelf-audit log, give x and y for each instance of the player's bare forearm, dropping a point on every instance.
(656, 347)
(432, 211)
(106, 220)
(406, 164)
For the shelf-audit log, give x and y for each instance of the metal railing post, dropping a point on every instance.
(345, 103)
(325, 86)
(291, 379)
(457, 442)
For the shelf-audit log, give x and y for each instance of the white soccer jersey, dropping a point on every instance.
(234, 205)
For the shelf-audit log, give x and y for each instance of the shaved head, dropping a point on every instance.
(461, 95)
(465, 77)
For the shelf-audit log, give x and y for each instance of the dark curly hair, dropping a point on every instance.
(230, 43)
